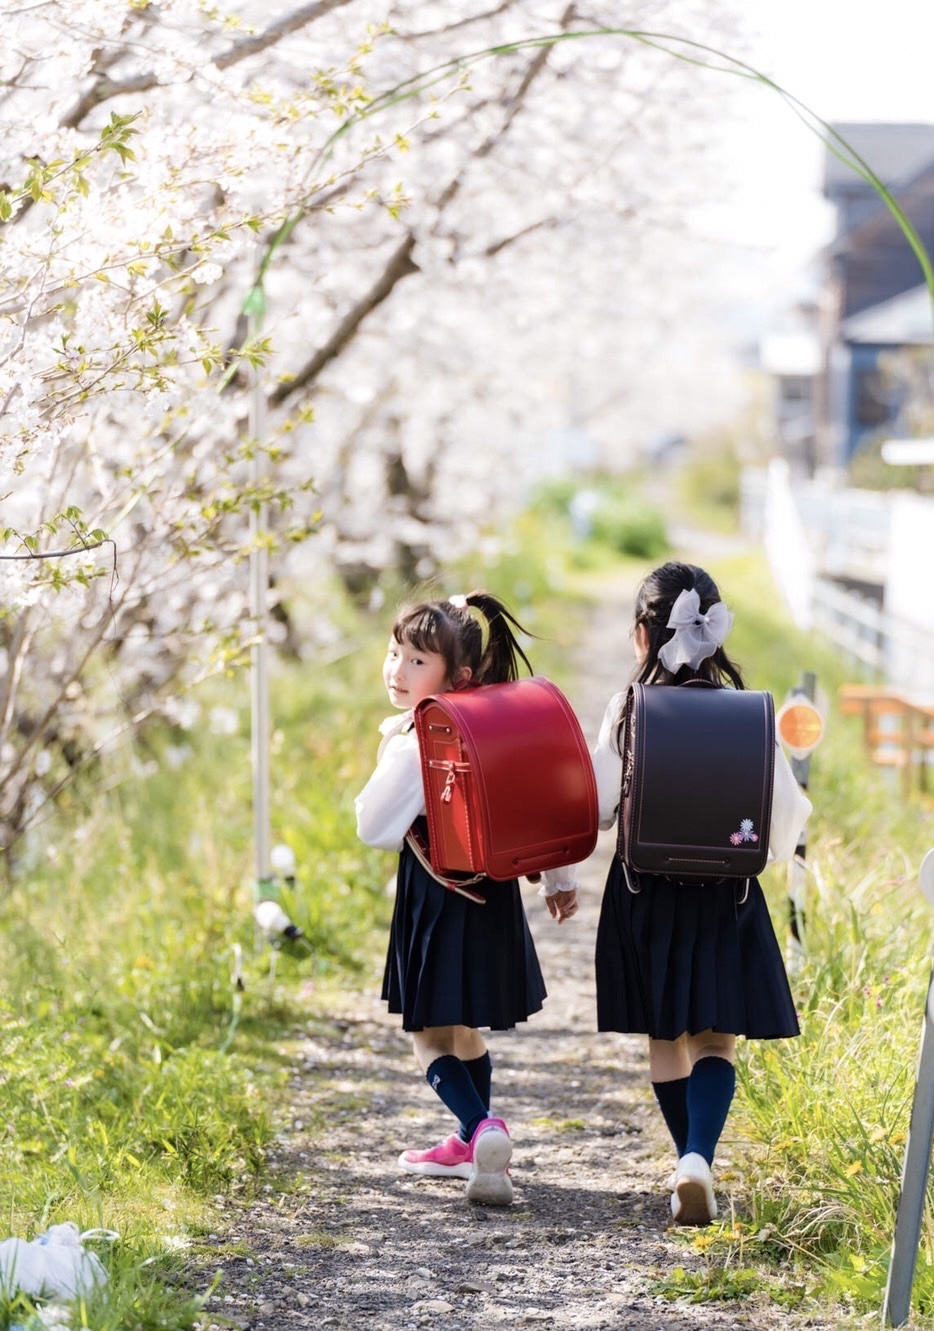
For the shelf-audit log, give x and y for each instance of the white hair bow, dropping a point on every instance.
(696, 636)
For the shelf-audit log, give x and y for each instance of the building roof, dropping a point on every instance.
(905, 320)
(896, 152)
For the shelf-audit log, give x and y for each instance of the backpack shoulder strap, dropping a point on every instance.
(419, 849)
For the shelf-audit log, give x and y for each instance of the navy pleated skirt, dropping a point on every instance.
(453, 962)
(687, 957)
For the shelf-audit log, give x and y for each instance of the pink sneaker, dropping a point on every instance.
(449, 1159)
(488, 1183)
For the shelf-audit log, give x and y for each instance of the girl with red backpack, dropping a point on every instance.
(453, 965)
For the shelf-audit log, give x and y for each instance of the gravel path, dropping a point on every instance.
(349, 1241)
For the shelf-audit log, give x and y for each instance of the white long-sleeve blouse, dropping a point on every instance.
(394, 797)
(790, 805)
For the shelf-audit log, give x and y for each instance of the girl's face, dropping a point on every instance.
(411, 675)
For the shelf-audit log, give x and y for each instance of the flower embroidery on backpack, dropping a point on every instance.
(745, 833)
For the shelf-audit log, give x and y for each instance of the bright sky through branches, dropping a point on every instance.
(846, 63)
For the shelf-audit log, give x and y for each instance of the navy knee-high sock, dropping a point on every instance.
(672, 1097)
(481, 1074)
(450, 1080)
(710, 1091)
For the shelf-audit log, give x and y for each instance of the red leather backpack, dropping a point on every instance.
(509, 782)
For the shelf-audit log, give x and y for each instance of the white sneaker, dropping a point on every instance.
(489, 1183)
(693, 1202)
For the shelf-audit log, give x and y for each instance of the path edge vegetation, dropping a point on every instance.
(141, 1089)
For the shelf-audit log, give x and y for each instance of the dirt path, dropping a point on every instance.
(354, 1243)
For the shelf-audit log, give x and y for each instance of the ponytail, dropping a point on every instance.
(502, 653)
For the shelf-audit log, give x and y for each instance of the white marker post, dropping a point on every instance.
(271, 920)
(917, 1162)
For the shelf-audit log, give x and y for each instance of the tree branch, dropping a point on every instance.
(536, 65)
(299, 18)
(103, 88)
(399, 265)
(459, 23)
(497, 246)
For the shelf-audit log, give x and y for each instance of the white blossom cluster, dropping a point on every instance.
(467, 273)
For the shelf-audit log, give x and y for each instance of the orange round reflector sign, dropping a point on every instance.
(800, 726)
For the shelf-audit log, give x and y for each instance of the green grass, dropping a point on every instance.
(138, 1085)
(561, 1125)
(713, 1283)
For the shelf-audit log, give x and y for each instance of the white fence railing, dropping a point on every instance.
(897, 653)
(818, 538)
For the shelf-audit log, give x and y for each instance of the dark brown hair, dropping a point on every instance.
(654, 601)
(458, 636)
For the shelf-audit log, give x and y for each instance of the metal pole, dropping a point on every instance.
(917, 1163)
(259, 653)
(272, 922)
(914, 1180)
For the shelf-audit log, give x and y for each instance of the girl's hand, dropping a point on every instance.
(562, 905)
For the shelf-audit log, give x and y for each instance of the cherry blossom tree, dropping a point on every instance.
(356, 266)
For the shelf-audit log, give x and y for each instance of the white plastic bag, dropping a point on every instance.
(20, 1267)
(54, 1265)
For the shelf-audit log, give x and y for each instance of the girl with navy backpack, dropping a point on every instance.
(690, 964)
(454, 965)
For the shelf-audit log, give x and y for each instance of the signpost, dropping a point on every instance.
(917, 1161)
(799, 724)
